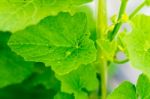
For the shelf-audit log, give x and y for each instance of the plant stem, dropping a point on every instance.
(137, 10)
(101, 18)
(121, 61)
(101, 27)
(103, 74)
(112, 34)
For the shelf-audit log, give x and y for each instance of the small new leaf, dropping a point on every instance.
(108, 48)
(79, 82)
(126, 90)
(143, 87)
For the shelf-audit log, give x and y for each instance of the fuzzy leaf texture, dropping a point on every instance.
(13, 69)
(126, 90)
(17, 14)
(138, 43)
(61, 42)
(143, 87)
(79, 82)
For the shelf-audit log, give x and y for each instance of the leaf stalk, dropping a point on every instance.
(123, 6)
(137, 10)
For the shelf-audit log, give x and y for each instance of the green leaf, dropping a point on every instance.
(89, 12)
(4, 37)
(22, 91)
(79, 82)
(60, 41)
(91, 21)
(44, 76)
(138, 43)
(143, 87)
(126, 90)
(17, 14)
(62, 95)
(13, 69)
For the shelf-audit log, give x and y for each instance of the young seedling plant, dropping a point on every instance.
(55, 49)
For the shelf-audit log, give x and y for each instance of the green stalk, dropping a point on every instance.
(101, 27)
(137, 10)
(103, 75)
(101, 18)
(112, 34)
(121, 61)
